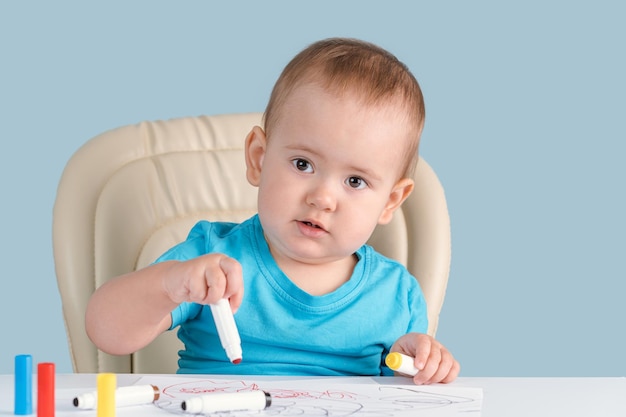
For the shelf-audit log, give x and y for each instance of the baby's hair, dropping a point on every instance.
(343, 65)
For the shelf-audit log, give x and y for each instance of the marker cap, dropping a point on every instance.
(23, 385)
(394, 360)
(45, 389)
(401, 363)
(107, 383)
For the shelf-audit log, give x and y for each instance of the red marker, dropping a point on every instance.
(45, 389)
(227, 330)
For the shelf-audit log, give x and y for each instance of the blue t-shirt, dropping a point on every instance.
(286, 331)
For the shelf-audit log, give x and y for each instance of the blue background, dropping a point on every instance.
(525, 127)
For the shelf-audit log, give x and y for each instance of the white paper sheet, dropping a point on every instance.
(328, 397)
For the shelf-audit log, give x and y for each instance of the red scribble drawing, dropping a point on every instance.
(331, 401)
(327, 394)
(209, 386)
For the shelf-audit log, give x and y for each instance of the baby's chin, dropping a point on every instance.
(310, 257)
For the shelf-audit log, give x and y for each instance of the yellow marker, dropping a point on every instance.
(401, 363)
(106, 395)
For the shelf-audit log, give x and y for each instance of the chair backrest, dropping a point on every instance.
(129, 194)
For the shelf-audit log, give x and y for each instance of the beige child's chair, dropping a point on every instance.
(131, 193)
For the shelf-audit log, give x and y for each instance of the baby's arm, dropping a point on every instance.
(128, 312)
(434, 361)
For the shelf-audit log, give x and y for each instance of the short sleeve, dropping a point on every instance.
(184, 312)
(419, 312)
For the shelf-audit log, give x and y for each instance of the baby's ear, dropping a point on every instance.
(398, 194)
(255, 146)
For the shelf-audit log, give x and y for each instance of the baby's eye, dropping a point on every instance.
(356, 183)
(302, 165)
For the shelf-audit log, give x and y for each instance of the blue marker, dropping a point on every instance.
(23, 385)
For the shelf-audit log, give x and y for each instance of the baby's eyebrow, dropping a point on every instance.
(367, 173)
(302, 147)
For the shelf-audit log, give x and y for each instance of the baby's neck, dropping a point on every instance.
(319, 279)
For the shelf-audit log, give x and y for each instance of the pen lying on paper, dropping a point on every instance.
(401, 363)
(234, 401)
(124, 396)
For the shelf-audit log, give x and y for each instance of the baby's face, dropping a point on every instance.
(328, 175)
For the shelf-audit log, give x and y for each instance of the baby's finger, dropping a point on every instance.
(445, 368)
(215, 281)
(454, 372)
(422, 350)
(234, 281)
(197, 286)
(430, 368)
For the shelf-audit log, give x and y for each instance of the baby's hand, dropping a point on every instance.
(205, 280)
(434, 361)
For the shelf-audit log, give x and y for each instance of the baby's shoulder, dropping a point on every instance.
(382, 266)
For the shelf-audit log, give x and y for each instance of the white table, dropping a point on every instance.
(510, 397)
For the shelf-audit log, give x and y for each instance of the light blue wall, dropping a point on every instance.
(526, 128)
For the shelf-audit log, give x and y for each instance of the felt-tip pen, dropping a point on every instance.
(225, 402)
(124, 396)
(403, 364)
(227, 330)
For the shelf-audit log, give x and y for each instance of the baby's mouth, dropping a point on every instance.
(312, 225)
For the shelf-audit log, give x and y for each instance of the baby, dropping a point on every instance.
(334, 160)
